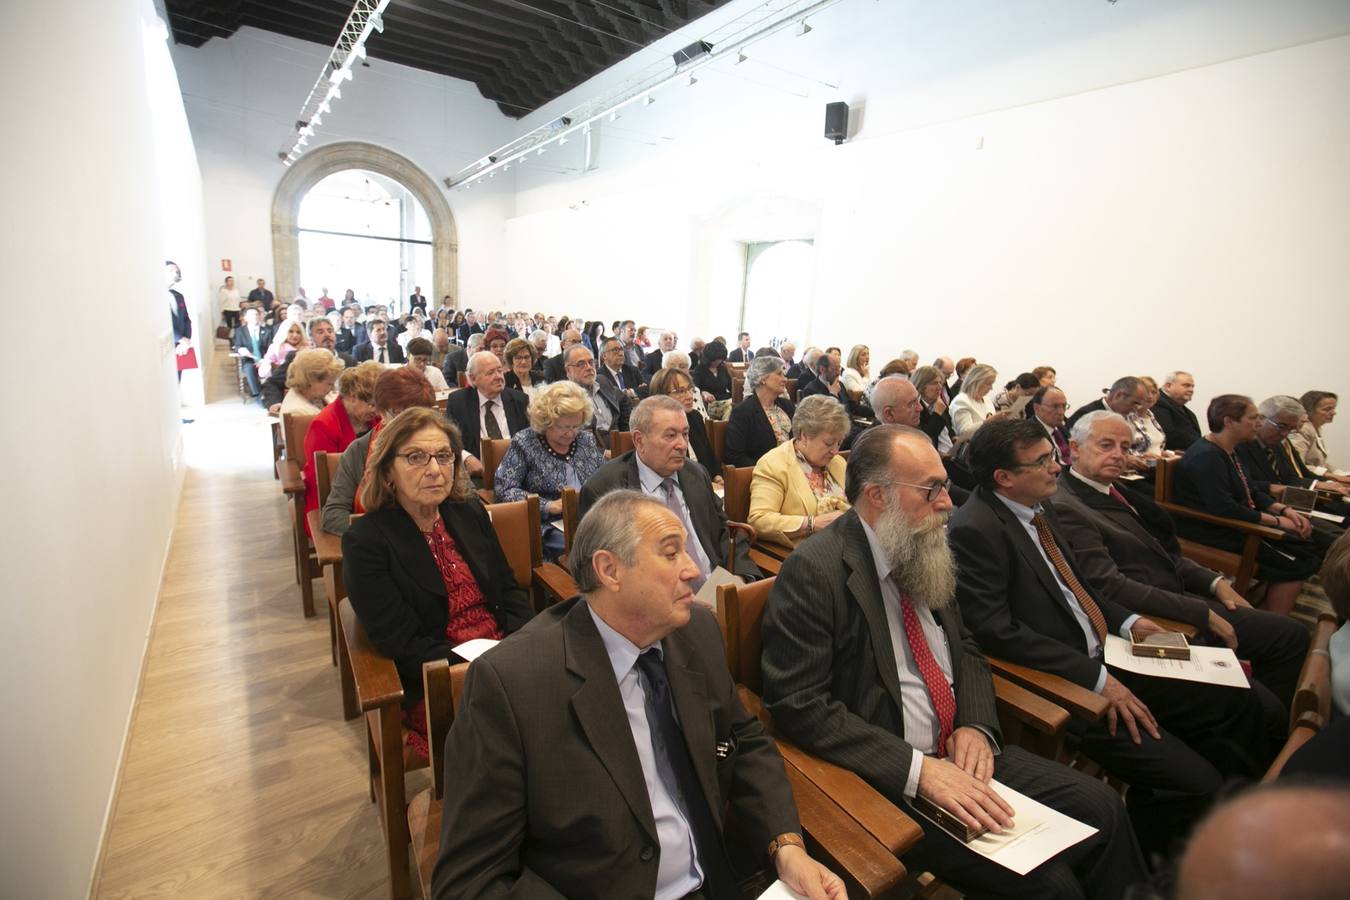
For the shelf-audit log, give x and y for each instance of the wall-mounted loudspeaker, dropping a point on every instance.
(836, 122)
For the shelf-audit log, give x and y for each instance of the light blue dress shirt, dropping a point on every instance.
(678, 873)
(651, 480)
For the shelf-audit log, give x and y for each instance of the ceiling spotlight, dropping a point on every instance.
(316, 119)
(740, 58)
(377, 23)
(803, 28)
(586, 129)
(562, 140)
(692, 81)
(325, 108)
(302, 141)
(335, 93)
(648, 100)
(540, 152)
(359, 50)
(614, 116)
(506, 168)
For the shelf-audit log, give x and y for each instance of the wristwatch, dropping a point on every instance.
(783, 840)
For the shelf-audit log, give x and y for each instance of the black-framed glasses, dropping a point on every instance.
(932, 491)
(1040, 462)
(420, 459)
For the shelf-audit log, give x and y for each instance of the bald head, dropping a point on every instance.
(1303, 852)
(896, 402)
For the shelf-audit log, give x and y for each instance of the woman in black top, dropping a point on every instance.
(677, 383)
(1211, 479)
(712, 378)
(763, 420)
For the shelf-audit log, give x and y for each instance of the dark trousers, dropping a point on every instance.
(1208, 734)
(1276, 645)
(250, 368)
(1103, 866)
(231, 319)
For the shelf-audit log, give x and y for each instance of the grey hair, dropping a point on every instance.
(537, 334)
(760, 368)
(909, 356)
(810, 356)
(786, 346)
(608, 525)
(478, 360)
(819, 414)
(976, 375)
(924, 375)
(675, 359)
(1126, 384)
(644, 412)
(1280, 403)
(475, 341)
(1173, 376)
(1083, 427)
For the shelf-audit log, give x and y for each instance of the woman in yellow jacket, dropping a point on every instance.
(798, 487)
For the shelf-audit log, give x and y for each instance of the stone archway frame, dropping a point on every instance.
(323, 161)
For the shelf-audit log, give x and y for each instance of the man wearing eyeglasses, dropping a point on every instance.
(1025, 598)
(612, 406)
(867, 664)
(487, 409)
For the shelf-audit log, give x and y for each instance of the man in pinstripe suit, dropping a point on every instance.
(867, 664)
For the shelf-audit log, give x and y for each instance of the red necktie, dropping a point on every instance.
(1119, 497)
(939, 691)
(1094, 612)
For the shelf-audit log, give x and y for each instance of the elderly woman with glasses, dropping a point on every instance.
(679, 384)
(557, 451)
(763, 420)
(423, 567)
(798, 487)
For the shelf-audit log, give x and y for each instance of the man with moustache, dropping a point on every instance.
(867, 664)
(323, 336)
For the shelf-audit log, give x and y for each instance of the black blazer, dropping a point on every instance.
(399, 595)
(932, 424)
(1206, 480)
(461, 407)
(417, 301)
(456, 361)
(1268, 466)
(652, 364)
(1094, 406)
(241, 341)
(554, 370)
(513, 380)
(347, 339)
(705, 508)
(829, 666)
(718, 384)
(466, 330)
(749, 434)
(1178, 423)
(182, 322)
(366, 351)
(703, 450)
(1121, 560)
(739, 355)
(632, 378)
(1009, 596)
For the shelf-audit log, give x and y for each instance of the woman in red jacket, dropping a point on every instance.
(340, 423)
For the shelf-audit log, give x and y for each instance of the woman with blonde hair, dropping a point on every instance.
(309, 380)
(557, 451)
(423, 566)
(798, 487)
(855, 376)
(290, 337)
(972, 407)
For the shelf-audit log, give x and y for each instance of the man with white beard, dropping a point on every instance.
(867, 664)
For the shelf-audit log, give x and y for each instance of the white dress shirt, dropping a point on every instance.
(678, 873)
(651, 480)
(437, 379)
(1094, 646)
(498, 413)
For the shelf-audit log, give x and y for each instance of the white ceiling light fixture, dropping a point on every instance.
(366, 18)
(692, 81)
(803, 29)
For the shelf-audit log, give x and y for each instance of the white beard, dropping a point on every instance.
(921, 561)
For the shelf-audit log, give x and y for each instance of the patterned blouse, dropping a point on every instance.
(532, 467)
(821, 481)
(782, 425)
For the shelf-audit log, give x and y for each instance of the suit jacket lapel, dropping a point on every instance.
(414, 555)
(1028, 549)
(864, 585)
(700, 516)
(1117, 513)
(689, 689)
(599, 711)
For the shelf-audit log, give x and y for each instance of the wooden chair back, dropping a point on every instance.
(620, 442)
(792, 390)
(571, 502)
(490, 453)
(737, 385)
(442, 686)
(1313, 694)
(325, 470)
(717, 437)
(463, 379)
(740, 613)
(1163, 475)
(736, 487)
(519, 532)
(294, 428)
(1305, 729)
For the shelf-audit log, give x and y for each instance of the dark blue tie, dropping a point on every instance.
(673, 756)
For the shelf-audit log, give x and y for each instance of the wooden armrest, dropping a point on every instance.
(1264, 531)
(327, 546)
(1304, 730)
(773, 549)
(878, 816)
(1078, 700)
(375, 676)
(292, 480)
(1030, 709)
(748, 531)
(554, 579)
(767, 564)
(1173, 625)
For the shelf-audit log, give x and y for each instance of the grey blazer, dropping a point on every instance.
(341, 502)
(829, 668)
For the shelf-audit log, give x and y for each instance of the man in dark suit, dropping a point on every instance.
(895, 401)
(1023, 596)
(470, 326)
(1127, 549)
(626, 335)
(487, 408)
(416, 300)
(653, 362)
(867, 664)
(827, 382)
(1047, 407)
(612, 407)
(251, 341)
(351, 333)
(622, 375)
(1126, 395)
(659, 466)
(178, 315)
(457, 360)
(322, 336)
(1178, 423)
(379, 348)
(262, 295)
(611, 755)
(555, 368)
(742, 352)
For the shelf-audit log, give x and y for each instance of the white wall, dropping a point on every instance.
(93, 155)
(1110, 189)
(243, 95)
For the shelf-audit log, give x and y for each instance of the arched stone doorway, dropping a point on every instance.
(323, 161)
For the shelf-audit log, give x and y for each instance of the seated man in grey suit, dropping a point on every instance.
(608, 750)
(659, 466)
(868, 665)
(1127, 551)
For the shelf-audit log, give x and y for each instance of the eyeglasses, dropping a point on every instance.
(1040, 462)
(676, 392)
(933, 491)
(565, 429)
(582, 364)
(418, 459)
(1280, 426)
